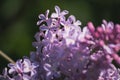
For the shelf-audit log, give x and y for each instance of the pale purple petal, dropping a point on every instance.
(57, 9)
(43, 28)
(77, 23)
(54, 15)
(42, 16)
(64, 12)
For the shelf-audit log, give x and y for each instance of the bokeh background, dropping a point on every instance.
(18, 20)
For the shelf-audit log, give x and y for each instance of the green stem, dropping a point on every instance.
(6, 57)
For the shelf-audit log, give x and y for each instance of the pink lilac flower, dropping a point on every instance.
(107, 36)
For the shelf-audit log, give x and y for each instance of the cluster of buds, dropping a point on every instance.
(65, 51)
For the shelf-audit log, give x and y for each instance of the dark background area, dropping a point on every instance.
(18, 20)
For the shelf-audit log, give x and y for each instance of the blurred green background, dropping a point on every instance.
(18, 20)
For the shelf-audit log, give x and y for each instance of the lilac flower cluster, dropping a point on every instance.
(65, 51)
(23, 69)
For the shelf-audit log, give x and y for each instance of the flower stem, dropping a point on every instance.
(6, 57)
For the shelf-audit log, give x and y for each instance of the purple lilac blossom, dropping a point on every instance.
(23, 69)
(72, 52)
(65, 51)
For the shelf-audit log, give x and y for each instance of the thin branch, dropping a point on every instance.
(6, 57)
